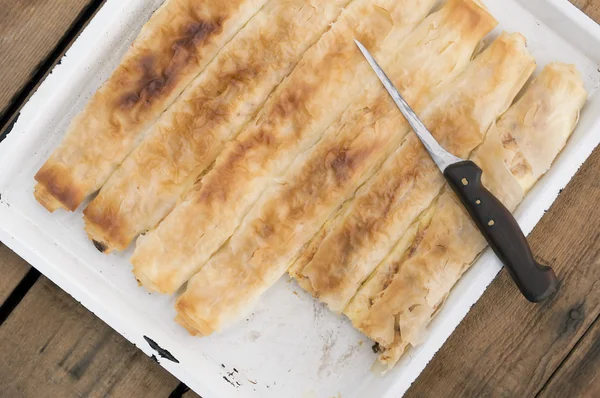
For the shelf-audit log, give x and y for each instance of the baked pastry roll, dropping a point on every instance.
(517, 151)
(172, 48)
(292, 210)
(536, 130)
(212, 110)
(409, 180)
(293, 119)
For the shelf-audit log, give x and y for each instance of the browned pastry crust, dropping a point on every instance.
(409, 180)
(172, 48)
(212, 110)
(293, 119)
(292, 210)
(399, 313)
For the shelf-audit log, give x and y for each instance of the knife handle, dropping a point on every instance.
(500, 228)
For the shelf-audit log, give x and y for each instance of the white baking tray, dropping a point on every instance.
(290, 346)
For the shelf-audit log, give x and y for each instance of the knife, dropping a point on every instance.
(497, 224)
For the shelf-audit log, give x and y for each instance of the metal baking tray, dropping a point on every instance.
(290, 346)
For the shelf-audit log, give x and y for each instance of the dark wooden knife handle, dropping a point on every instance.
(500, 228)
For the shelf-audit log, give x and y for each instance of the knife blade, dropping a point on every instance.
(497, 224)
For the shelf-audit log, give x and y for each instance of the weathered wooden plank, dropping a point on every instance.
(52, 343)
(579, 374)
(29, 33)
(509, 347)
(590, 7)
(12, 270)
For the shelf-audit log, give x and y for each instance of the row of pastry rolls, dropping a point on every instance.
(328, 77)
(397, 303)
(293, 209)
(337, 262)
(173, 47)
(214, 108)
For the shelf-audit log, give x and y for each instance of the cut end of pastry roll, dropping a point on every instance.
(100, 233)
(390, 356)
(220, 294)
(147, 282)
(204, 310)
(146, 267)
(195, 328)
(46, 199)
(54, 190)
(185, 317)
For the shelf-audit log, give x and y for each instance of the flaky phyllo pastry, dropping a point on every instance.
(173, 47)
(293, 119)
(292, 210)
(212, 110)
(402, 295)
(338, 262)
(243, 139)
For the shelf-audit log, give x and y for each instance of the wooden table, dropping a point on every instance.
(53, 347)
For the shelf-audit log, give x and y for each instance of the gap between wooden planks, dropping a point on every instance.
(13, 269)
(34, 36)
(505, 346)
(22, 46)
(579, 374)
(53, 344)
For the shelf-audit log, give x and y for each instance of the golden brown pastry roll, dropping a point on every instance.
(539, 126)
(212, 110)
(409, 180)
(172, 48)
(293, 119)
(523, 145)
(294, 208)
